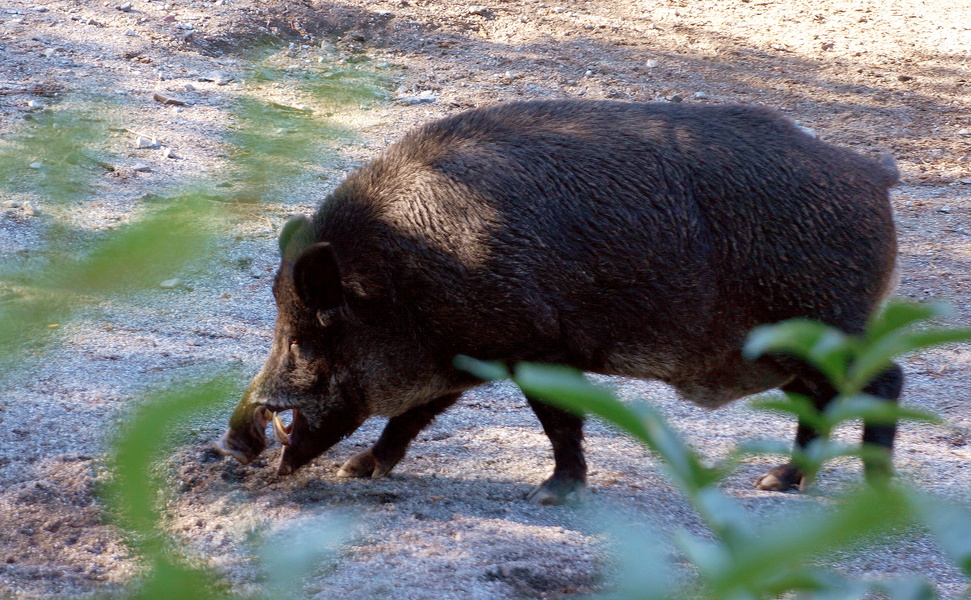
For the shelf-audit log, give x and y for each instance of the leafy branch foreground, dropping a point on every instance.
(744, 560)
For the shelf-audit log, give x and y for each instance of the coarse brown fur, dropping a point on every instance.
(643, 240)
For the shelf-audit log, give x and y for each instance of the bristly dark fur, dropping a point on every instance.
(635, 239)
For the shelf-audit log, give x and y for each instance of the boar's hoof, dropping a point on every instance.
(782, 479)
(365, 464)
(556, 491)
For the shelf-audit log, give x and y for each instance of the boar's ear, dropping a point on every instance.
(317, 277)
(296, 236)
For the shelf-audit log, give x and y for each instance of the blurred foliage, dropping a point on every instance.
(135, 257)
(272, 142)
(134, 490)
(747, 559)
(56, 155)
(330, 83)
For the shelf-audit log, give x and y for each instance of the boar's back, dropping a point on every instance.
(634, 239)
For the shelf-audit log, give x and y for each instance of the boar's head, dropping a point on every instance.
(323, 365)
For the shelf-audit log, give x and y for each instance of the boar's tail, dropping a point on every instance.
(888, 170)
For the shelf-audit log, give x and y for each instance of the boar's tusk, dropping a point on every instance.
(280, 430)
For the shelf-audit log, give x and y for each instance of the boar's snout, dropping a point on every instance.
(245, 438)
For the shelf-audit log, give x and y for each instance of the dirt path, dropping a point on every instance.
(874, 76)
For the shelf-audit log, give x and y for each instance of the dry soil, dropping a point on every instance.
(451, 523)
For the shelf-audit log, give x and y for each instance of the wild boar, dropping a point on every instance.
(643, 240)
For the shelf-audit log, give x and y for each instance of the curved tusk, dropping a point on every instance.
(280, 430)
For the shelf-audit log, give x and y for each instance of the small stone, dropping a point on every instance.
(965, 181)
(11, 204)
(167, 153)
(944, 209)
(36, 165)
(130, 33)
(158, 97)
(675, 98)
(35, 105)
(256, 272)
(904, 78)
(479, 10)
(141, 168)
(964, 132)
(144, 142)
(50, 52)
(29, 209)
(189, 87)
(559, 10)
(126, 7)
(652, 64)
(425, 97)
(701, 95)
(40, 9)
(169, 284)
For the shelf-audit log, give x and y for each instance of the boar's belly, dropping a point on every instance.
(709, 381)
(729, 381)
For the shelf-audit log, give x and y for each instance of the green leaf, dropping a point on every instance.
(771, 556)
(910, 588)
(148, 251)
(724, 516)
(826, 348)
(878, 357)
(874, 410)
(683, 464)
(898, 315)
(951, 526)
(171, 579)
(484, 370)
(134, 489)
(568, 389)
(645, 571)
(800, 406)
(291, 554)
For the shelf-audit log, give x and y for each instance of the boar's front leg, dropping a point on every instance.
(565, 431)
(886, 386)
(379, 459)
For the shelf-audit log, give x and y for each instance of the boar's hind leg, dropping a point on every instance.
(565, 431)
(379, 459)
(886, 386)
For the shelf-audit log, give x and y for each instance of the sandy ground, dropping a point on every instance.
(451, 522)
